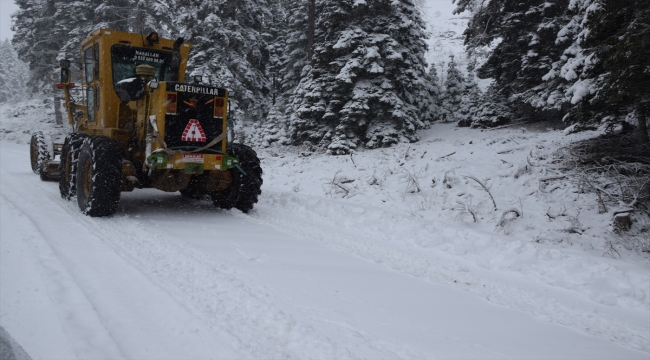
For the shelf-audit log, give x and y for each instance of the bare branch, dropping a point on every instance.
(484, 188)
(504, 218)
(444, 156)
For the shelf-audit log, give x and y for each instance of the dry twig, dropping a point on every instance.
(484, 188)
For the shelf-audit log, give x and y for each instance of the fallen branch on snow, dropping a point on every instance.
(484, 188)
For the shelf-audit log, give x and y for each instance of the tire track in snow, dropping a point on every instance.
(219, 294)
(65, 292)
(380, 236)
(114, 293)
(213, 292)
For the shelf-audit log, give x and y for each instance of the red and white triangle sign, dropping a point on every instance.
(194, 132)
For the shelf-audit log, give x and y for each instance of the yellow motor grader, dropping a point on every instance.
(137, 124)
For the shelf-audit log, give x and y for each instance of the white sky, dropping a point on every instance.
(7, 7)
(444, 6)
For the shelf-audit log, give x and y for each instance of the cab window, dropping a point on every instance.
(126, 58)
(90, 102)
(89, 65)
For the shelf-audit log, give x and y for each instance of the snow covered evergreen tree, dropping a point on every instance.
(275, 37)
(73, 21)
(114, 14)
(454, 89)
(230, 50)
(35, 42)
(603, 70)
(13, 74)
(564, 82)
(6, 60)
(289, 54)
(436, 93)
(368, 84)
(295, 46)
(153, 15)
(273, 128)
(527, 48)
(619, 38)
(470, 103)
(492, 111)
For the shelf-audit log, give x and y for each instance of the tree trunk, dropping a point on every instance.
(643, 124)
(311, 29)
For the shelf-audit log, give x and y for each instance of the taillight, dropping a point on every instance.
(218, 107)
(171, 103)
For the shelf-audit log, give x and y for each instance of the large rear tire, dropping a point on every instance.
(99, 176)
(68, 165)
(40, 150)
(246, 187)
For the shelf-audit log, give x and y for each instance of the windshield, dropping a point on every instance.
(126, 58)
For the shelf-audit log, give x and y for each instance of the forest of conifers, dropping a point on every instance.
(344, 74)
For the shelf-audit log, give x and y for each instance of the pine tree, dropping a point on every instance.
(436, 93)
(73, 22)
(603, 71)
(273, 128)
(34, 41)
(619, 38)
(114, 14)
(454, 89)
(230, 50)
(13, 74)
(289, 51)
(527, 31)
(276, 38)
(6, 62)
(493, 110)
(565, 83)
(368, 84)
(295, 46)
(153, 15)
(469, 105)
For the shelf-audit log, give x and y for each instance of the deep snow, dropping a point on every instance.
(341, 258)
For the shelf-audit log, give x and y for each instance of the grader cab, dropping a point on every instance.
(137, 124)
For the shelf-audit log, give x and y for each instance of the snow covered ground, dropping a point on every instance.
(374, 255)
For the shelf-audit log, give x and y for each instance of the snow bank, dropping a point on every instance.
(20, 119)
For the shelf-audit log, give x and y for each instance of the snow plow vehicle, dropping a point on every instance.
(139, 125)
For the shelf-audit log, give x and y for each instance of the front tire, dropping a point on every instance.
(99, 176)
(40, 150)
(245, 188)
(68, 165)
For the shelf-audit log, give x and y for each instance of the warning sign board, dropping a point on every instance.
(193, 132)
(192, 158)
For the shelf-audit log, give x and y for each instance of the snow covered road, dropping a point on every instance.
(300, 277)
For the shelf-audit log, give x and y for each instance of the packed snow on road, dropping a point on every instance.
(464, 245)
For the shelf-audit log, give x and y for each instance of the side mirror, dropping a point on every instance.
(65, 76)
(65, 71)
